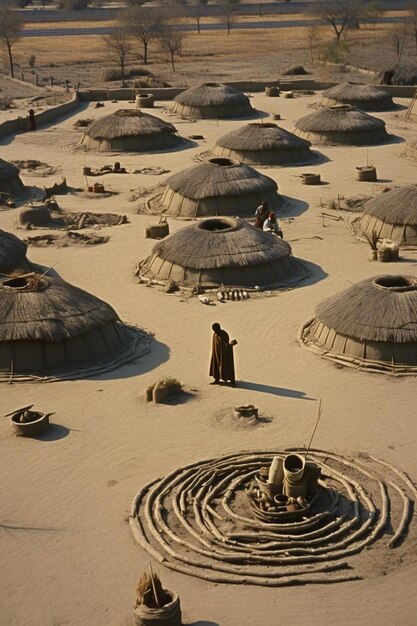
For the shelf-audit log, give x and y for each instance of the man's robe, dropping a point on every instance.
(222, 365)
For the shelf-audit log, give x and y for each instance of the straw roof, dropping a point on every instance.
(128, 123)
(9, 178)
(225, 251)
(259, 143)
(371, 324)
(49, 327)
(211, 100)
(218, 186)
(12, 252)
(399, 74)
(359, 95)
(52, 311)
(393, 215)
(382, 308)
(7, 170)
(341, 124)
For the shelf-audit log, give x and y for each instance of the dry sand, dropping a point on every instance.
(67, 555)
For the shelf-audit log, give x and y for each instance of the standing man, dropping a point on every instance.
(261, 214)
(222, 366)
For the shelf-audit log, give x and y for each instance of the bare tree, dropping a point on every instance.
(312, 38)
(170, 39)
(372, 11)
(10, 27)
(143, 23)
(339, 14)
(196, 10)
(228, 12)
(412, 12)
(398, 36)
(118, 48)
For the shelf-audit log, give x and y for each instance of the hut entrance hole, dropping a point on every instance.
(223, 162)
(341, 107)
(266, 125)
(213, 85)
(16, 283)
(396, 283)
(217, 224)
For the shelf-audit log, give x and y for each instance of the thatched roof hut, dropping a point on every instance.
(341, 125)
(372, 324)
(399, 74)
(359, 95)
(222, 251)
(130, 130)
(217, 187)
(263, 144)
(212, 101)
(10, 182)
(12, 253)
(49, 327)
(393, 215)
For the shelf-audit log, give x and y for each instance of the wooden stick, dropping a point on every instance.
(157, 601)
(315, 428)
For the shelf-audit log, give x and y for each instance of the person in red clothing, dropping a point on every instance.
(32, 119)
(222, 366)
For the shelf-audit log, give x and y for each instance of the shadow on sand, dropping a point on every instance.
(275, 391)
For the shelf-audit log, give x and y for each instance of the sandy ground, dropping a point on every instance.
(67, 555)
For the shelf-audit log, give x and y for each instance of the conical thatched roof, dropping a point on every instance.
(399, 74)
(372, 324)
(9, 178)
(263, 144)
(12, 253)
(60, 326)
(212, 101)
(218, 186)
(359, 95)
(130, 129)
(341, 124)
(224, 251)
(393, 215)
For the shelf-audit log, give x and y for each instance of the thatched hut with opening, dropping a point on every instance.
(129, 130)
(212, 101)
(222, 251)
(399, 74)
(341, 125)
(218, 186)
(372, 325)
(51, 328)
(12, 253)
(263, 144)
(393, 215)
(359, 95)
(10, 182)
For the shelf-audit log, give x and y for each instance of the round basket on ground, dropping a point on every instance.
(310, 179)
(145, 101)
(29, 428)
(366, 173)
(167, 615)
(272, 92)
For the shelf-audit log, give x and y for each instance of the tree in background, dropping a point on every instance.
(228, 13)
(372, 11)
(10, 28)
(118, 48)
(398, 36)
(143, 24)
(170, 39)
(412, 12)
(312, 38)
(196, 9)
(341, 15)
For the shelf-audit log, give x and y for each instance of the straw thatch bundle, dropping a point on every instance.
(341, 125)
(10, 182)
(373, 323)
(399, 74)
(224, 251)
(212, 101)
(48, 325)
(393, 215)
(130, 130)
(218, 186)
(359, 95)
(12, 253)
(263, 144)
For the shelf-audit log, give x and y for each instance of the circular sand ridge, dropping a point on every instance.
(197, 521)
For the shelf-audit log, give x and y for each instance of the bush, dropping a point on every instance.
(116, 74)
(334, 51)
